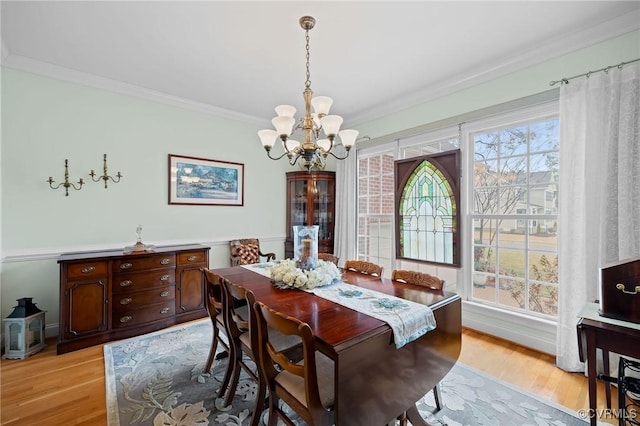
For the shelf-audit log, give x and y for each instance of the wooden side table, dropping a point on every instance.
(609, 335)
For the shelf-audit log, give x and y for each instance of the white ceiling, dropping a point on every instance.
(241, 58)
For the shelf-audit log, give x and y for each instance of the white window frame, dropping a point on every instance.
(390, 148)
(536, 333)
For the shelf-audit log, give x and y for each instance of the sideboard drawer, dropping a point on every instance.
(139, 299)
(140, 316)
(190, 258)
(133, 263)
(86, 270)
(125, 283)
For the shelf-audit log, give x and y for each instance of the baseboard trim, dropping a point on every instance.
(531, 332)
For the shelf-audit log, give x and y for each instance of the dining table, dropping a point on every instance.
(375, 381)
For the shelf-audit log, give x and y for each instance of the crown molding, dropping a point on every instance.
(540, 54)
(566, 44)
(33, 66)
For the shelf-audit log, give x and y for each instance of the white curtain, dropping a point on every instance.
(599, 211)
(346, 227)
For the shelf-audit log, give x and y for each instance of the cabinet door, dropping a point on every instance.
(190, 281)
(323, 208)
(311, 201)
(86, 307)
(190, 291)
(298, 206)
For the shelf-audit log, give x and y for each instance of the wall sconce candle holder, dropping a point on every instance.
(105, 176)
(66, 184)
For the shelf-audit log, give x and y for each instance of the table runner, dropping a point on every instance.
(408, 320)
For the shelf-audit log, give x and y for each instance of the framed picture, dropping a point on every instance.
(202, 181)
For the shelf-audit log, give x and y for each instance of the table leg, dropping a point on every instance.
(413, 415)
(607, 384)
(592, 375)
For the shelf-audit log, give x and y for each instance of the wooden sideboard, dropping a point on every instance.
(111, 295)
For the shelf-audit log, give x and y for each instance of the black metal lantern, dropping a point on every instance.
(23, 330)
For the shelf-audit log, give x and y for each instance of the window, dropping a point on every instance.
(514, 213)
(376, 208)
(508, 206)
(375, 189)
(427, 203)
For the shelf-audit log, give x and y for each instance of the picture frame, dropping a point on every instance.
(202, 181)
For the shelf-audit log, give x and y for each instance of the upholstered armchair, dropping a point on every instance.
(247, 251)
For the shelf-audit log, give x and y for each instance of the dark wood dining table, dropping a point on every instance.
(375, 381)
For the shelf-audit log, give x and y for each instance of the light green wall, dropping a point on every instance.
(45, 121)
(513, 86)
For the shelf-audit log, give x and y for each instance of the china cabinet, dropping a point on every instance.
(311, 201)
(109, 295)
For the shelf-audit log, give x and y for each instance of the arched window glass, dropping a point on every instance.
(427, 208)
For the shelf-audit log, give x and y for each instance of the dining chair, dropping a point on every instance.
(214, 307)
(417, 278)
(425, 280)
(307, 386)
(328, 257)
(247, 251)
(363, 267)
(243, 338)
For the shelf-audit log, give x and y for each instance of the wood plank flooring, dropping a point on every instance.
(69, 389)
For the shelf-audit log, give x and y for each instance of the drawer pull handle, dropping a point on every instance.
(126, 265)
(165, 261)
(164, 294)
(88, 269)
(126, 301)
(164, 310)
(126, 283)
(192, 258)
(126, 318)
(620, 287)
(165, 277)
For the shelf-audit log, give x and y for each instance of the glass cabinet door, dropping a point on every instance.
(323, 208)
(310, 201)
(298, 204)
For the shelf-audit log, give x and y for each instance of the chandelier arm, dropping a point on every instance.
(335, 156)
(293, 160)
(288, 153)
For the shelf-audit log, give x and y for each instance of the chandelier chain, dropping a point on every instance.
(307, 83)
(312, 149)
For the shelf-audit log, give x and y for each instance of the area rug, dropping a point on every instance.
(158, 379)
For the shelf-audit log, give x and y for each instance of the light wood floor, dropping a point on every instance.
(69, 389)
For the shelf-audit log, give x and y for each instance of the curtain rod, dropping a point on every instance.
(565, 80)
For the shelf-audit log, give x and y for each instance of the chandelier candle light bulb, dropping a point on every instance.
(314, 151)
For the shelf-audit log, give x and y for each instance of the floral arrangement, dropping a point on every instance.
(286, 274)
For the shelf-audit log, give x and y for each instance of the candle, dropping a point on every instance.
(306, 248)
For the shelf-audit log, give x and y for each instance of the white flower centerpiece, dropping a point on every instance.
(286, 274)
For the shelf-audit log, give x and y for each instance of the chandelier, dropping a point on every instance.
(318, 129)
